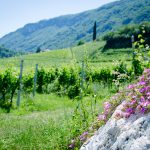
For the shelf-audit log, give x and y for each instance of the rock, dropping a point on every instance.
(123, 134)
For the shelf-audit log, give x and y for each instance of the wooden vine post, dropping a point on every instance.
(35, 79)
(20, 84)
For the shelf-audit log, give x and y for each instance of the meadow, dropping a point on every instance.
(46, 121)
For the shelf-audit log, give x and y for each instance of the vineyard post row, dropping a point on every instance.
(20, 82)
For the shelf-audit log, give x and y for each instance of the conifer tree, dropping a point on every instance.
(94, 31)
(38, 50)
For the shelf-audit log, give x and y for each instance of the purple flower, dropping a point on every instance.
(148, 93)
(144, 89)
(141, 83)
(107, 105)
(131, 86)
(83, 137)
(107, 111)
(102, 117)
(130, 110)
(145, 103)
(143, 110)
(72, 145)
(142, 99)
(133, 102)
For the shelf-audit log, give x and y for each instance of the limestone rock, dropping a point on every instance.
(123, 134)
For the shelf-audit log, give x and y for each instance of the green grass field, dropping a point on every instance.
(91, 51)
(45, 122)
(38, 124)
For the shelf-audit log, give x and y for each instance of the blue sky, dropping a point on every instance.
(16, 13)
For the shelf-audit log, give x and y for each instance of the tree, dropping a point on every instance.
(80, 43)
(38, 50)
(94, 31)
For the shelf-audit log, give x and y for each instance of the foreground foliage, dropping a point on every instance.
(61, 81)
(47, 121)
(135, 99)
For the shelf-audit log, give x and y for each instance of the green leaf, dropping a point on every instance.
(142, 41)
(140, 36)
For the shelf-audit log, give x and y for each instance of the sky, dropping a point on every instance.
(16, 13)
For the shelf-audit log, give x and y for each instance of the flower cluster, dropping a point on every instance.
(82, 138)
(135, 99)
(105, 114)
(72, 144)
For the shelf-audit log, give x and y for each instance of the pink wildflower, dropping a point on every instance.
(83, 137)
(126, 115)
(72, 145)
(130, 110)
(118, 114)
(131, 86)
(148, 93)
(142, 99)
(138, 108)
(107, 105)
(102, 117)
(141, 83)
(133, 102)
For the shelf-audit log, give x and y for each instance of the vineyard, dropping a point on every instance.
(61, 81)
(83, 71)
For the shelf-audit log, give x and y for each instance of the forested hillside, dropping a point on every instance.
(68, 30)
(4, 52)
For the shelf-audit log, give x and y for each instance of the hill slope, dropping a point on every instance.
(67, 30)
(64, 57)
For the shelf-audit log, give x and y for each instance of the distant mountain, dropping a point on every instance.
(68, 30)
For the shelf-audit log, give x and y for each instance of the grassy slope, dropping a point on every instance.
(67, 56)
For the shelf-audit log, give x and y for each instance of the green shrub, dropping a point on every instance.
(73, 91)
(8, 85)
(80, 43)
(28, 83)
(40, 80)
(122, 37)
